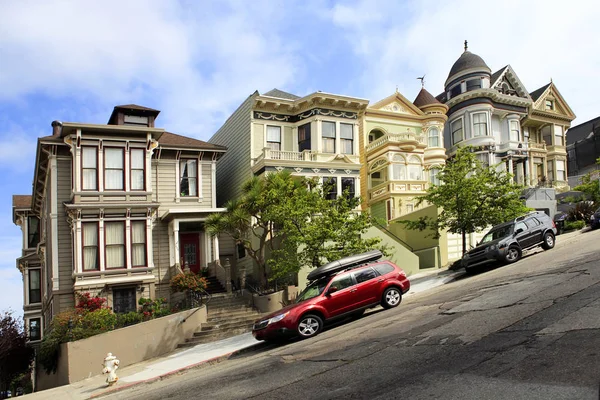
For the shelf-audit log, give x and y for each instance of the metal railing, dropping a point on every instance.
(396, 138)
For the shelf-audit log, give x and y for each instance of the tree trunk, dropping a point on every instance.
(464, 242)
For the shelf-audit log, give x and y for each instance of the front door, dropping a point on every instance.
(189, 249)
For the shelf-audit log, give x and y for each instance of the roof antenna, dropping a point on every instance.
(466, 46)
(422, 79)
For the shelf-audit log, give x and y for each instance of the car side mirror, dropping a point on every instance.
(332, 289)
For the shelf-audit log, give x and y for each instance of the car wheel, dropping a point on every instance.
(513, 254)
(392, 296)
(548, 241)
(310, 325)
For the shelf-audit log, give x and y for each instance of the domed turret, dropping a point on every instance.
(467, 63)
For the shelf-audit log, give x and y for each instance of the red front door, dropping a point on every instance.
(189, 248)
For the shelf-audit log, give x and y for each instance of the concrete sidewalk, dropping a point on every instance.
(210, 353)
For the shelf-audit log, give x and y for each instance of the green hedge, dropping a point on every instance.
(573, 225)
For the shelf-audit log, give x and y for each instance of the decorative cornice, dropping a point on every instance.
(295, 118)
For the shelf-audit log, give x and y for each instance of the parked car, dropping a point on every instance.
(506, 242)
(340, 289)
(559, 221)
(595, 219)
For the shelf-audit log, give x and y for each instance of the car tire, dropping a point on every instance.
(549, 241)
(391, 297)
(513, 254)
(309, 325)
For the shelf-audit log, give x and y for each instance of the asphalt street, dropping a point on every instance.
(530, 330)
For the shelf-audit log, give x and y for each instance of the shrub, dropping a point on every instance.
(127, 319)
(572, 225)
(187, 281)
(582, 211)
(88, 303)
(153, 308)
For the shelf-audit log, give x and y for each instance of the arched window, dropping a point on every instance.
(375, 134)
(415, 169)
(434, 137)
(377, 173)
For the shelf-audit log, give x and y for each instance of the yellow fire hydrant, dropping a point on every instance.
(110, 367)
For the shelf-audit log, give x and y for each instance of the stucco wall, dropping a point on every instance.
(82, 359)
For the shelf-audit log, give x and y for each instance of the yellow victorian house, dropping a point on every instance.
(402, 150)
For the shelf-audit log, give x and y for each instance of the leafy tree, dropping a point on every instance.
(291, 218)
(590, 185)
(15, 354)
(251, 219)
(470, 197)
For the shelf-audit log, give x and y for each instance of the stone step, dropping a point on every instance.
(211, 327)
(212, 309)
(212, 336)
(226, 318)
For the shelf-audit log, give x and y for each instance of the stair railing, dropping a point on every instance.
(198, 297)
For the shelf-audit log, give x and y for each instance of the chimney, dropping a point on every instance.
(56, 128)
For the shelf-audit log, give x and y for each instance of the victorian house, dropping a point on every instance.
(116, 210)
(402, 152)
(493, 112)
(315, 136)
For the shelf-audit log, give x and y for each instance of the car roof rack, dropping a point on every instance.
(530, 213)
(344, 264)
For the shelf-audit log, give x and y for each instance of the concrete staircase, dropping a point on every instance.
(227, 316)
(214, 286)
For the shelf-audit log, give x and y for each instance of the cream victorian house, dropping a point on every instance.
(316, 136)
(116, 210)
(402, 152)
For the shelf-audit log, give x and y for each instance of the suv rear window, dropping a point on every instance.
(365, 275)
(383, 268)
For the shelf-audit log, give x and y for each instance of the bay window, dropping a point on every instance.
(35, 329)
(33, 232)
(114, 170)
(398, 172)
(434, 137)
(330, 187)
(415, 169)
(89, 168)
(90, 246)
(115, 245)
(137, 168)
(457, 131)
(328, 134)
(274, 137)
(35, 292)
(560, 170)
(188, 178)
(138, 243)
(377, 178)
(515, 134)
(480, 124)
(304, 137)
(551, 171)
(347, 138)
(558, 135)
(433, 176)
(348, 185)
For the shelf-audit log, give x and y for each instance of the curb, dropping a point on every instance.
(215, 360)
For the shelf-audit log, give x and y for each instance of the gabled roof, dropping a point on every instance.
(169, 139)
(281, 94)
(425, 98)
(21, 201)
(496, 75)
(399, 99)
(538, 92)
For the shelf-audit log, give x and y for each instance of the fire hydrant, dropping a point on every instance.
(110, 367)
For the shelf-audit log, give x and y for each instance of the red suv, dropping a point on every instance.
(342, 288)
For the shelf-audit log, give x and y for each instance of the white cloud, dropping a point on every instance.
(195, 62)
(540, 39)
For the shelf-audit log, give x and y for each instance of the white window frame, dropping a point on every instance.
(559, 135)
(196, 171)
(430, 136)
(329, 138)
(511, 130)
(561, 171)
(344, 140)
(477, 124)
(270, 142)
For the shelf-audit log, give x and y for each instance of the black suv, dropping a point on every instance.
(506, 242)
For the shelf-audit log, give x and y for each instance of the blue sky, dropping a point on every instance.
(196, 61)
